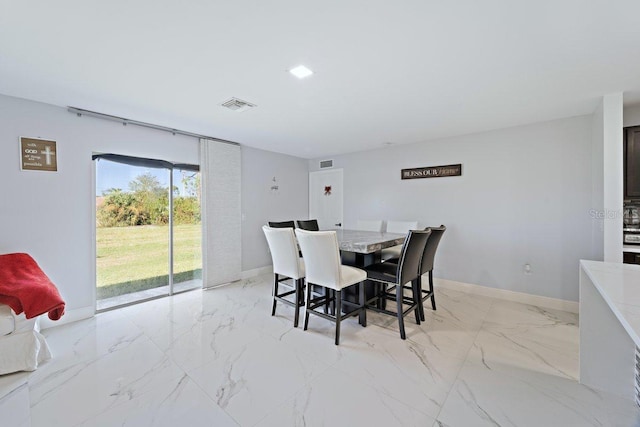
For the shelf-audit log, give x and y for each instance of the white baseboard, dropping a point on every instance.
(256, 272)
(546, 302)
(69, 316)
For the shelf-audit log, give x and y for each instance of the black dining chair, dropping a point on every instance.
(426, 266)
(282, 224)
(405, 271)
(309, 225)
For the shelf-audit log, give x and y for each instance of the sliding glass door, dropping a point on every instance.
(187, 230)
(148, 232)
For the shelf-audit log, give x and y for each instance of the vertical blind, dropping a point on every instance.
(220, 172)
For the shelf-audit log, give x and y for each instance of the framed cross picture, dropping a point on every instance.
(38, 154)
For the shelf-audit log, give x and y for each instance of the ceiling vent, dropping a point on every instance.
(237, 105)
(324, 164)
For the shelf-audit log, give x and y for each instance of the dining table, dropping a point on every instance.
(360, 249)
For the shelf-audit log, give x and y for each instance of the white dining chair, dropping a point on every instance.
(323, 268)
(400, 227)
(369, 225)
(286, 262)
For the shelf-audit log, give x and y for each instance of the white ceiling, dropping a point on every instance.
(385, 71)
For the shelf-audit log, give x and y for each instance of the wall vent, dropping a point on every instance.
(324, 164)
(237, 105)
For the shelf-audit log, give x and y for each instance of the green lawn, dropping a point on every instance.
(130, 259)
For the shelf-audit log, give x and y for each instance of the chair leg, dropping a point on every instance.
(300, 294)
(326, 300)
(400, 317)
(433, 294)
(275, 292)
(383, 300)
(417, 299)
(306, 310)
(333, 302)
(419, 288)
(296, 316)
(363, 311)
(338, 309)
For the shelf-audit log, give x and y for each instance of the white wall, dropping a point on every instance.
(632, 115)
(524, 197)
(260, 204)
(612, 123)
(597, 184)
(49, 214)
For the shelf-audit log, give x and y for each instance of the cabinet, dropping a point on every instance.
(632, 163)
(630, 258)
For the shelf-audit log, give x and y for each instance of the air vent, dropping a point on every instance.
(324, 164)
(237, 105)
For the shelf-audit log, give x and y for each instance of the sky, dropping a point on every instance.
(118, 175)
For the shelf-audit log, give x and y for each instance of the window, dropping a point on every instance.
(148, 229)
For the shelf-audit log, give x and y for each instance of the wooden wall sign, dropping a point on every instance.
(432, 171)
(38, 154)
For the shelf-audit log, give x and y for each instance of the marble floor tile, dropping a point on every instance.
(171, 404)
(15, 408)
(530, 337)
(218, 357)
(318, 339)
(206, 340)
(467, 311)
(334, 399)
(82, 341)
(513, 396)
(75, 393)
(443, 335)
(166, 319)
(10, 382)
(419, 376)
(248, 381)
(455, 311)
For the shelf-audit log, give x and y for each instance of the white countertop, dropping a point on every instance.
(619, 285)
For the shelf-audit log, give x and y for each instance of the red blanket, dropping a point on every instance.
(25, 287)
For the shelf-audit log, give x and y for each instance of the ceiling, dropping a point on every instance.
(385, 71)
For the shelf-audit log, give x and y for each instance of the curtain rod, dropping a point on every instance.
(81, 112)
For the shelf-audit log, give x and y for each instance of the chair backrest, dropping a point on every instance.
(411, 255)
(369, 225)
(321, 256)
(282, 224)
(284, 251)
(402, 227)
(430, 249)
(308, 224)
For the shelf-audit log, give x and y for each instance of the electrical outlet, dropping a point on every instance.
(527, 269)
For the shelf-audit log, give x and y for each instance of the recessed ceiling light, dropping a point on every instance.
(301, 71)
